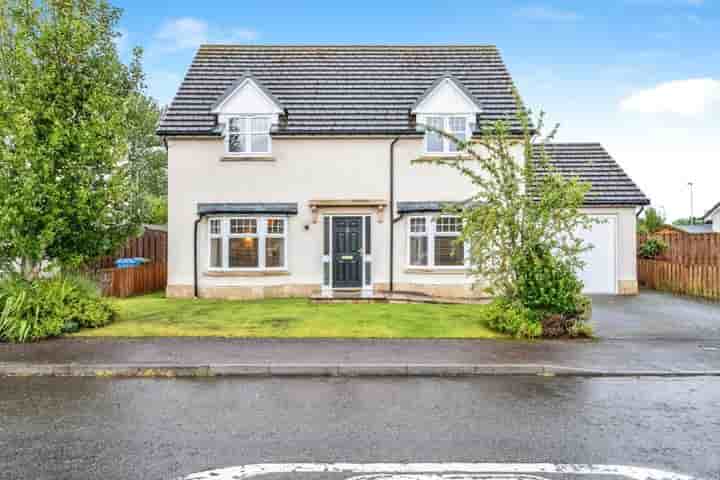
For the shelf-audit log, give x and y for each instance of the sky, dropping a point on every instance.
(642, 77)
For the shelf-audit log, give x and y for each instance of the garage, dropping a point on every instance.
(599, 275)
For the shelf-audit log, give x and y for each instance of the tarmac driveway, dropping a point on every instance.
(655, 315)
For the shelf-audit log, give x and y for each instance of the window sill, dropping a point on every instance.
(246, 273)
(247, 158)
(438, 270)
(427, 157)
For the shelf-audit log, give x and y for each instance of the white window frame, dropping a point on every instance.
(248, 133)
(446, 142)
(431, 232)
(261, 234)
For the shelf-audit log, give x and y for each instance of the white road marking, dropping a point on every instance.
(431, 471)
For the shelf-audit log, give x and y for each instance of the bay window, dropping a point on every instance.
(247, 243)
(248, 135)
(435, 142)
(433, 242)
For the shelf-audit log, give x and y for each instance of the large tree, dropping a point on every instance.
(147, 157)
(523, 221)
(65, 126)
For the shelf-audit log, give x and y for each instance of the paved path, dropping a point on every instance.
(601, 356)
(88, 428)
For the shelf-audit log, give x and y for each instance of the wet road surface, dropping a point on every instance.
(78, 428)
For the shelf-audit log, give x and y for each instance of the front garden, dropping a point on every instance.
(156, 316)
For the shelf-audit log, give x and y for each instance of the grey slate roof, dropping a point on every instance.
(339, 89)
(589, 162)
(248, 208)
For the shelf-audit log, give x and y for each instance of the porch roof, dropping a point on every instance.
(248, 208)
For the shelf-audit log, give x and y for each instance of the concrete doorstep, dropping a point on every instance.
(150, 370)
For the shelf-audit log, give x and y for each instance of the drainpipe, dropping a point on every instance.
(637, 215)
(195, 249)
(392, 212)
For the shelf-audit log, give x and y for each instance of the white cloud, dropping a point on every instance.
(188, 32)
(547, 14)
(182, 33)
(685, 97)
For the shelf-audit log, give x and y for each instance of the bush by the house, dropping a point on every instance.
(549, 287)
(47, 307)
(548, 300)
(652, 248)
(512, 318)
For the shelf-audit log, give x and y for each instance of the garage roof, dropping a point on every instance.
(591, 163)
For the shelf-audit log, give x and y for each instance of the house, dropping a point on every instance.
(712, 217)
(290, 172)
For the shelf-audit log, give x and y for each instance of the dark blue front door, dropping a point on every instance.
(347, 252)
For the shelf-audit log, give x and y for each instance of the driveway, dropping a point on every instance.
(656, 316)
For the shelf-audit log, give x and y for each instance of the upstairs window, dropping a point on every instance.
(435, 142)
(248, 135)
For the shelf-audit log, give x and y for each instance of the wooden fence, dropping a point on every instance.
(126, 282)
(689, 266)
(697, 280)
(152, 244)
(687, 249)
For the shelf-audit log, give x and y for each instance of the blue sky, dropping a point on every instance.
(640, 76)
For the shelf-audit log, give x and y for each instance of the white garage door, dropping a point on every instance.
(600, 262)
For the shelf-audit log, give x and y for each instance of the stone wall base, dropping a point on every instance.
(628, 287)
(244, 292)
(447, 291)
(304, 290)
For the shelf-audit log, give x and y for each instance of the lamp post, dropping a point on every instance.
(692, 217)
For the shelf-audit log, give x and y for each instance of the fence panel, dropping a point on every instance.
(696, 249)
(697, 280)
(151, 244)
(127, 282)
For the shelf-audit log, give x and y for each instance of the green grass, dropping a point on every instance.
(155, 316)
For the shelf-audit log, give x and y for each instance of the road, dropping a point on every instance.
(81, 428)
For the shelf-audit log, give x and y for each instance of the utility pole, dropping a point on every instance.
(692, 217)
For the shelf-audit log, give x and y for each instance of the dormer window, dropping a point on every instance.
(435, 142)
(248, 135)
(446, 106)
(246, 112)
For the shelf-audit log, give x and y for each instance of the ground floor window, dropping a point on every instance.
(433, 241)
(247, 243)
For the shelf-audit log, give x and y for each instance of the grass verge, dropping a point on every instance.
(157, 316)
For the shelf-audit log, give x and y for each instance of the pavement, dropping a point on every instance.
(95, 428)
(651, 334)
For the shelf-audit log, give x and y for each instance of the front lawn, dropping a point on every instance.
(155, 315)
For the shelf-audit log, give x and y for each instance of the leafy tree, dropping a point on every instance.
(652, 221)
(158, 210)
(66, 99)
(147, 157)
(522, 222)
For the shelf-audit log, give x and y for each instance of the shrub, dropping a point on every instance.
(651, 248)
(546, 284)
(512, 318)
(47, 307)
